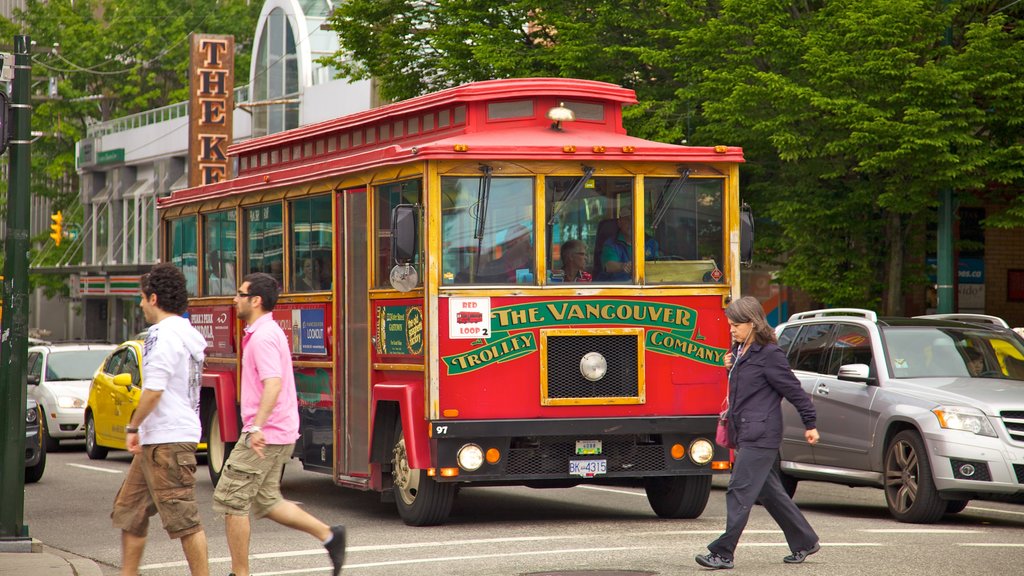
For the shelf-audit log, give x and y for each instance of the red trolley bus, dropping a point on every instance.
(431, 253)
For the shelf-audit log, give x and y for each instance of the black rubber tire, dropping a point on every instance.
(217, 451)
(92, 447)
(34, 474)
(420, 500)
(52, 444)
(909, 489)
(956, 506)
(678, 496)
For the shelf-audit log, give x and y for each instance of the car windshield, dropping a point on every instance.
(926, 352)
(73, 364)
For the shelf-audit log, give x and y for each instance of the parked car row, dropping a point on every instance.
(930, 410)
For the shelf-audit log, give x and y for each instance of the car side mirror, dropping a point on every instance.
(32, 380)
(855, 372)
(123, 379)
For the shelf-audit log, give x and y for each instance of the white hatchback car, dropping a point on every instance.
(58, 379)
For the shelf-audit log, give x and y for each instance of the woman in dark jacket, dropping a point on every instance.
(759, 378)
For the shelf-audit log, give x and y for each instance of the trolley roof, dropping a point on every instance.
(490, 120)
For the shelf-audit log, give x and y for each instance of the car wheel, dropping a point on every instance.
(909, 489)
(92, 448)
(34, 473)
(678, 496)
(956, 506)
(52, 444)
(217, 451)
(421, 500)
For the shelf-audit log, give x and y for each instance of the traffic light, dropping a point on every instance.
(57, 227)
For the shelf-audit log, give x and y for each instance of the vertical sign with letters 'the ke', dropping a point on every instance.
(211, 107)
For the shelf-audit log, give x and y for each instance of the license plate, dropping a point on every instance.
(588, 447)
(587, 468)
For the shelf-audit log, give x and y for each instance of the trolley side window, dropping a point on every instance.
(389, 196)
(264, 249)
(184, 253)
(582, 218)
(487, 234)
(311, 233)
(221, 253)
(685, 217)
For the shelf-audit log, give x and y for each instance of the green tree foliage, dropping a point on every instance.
(107, 59)
(853, 114)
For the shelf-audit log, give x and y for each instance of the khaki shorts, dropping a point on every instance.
(250, 483)
(161, 479)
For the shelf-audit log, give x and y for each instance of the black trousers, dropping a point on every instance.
(755, 477)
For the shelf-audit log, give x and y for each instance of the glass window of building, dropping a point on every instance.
(487, 233)
(312, 233)
(184, 253)
(684, 217)
(389, 196)
(221, 234)
(276, 76)
(264, 241)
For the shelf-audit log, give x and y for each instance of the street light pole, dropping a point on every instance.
(14, 330)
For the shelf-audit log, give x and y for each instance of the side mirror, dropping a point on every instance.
(746, 234)
(32, 380)
(404, 241)
(855, 372)
(123, 379)
(404, 233)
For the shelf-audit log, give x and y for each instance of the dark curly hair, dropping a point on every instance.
(265, 286)
(168, 283)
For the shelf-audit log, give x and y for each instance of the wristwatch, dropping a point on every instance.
(131, 429)
(253, 428)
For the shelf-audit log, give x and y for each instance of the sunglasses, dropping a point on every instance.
(245, 295)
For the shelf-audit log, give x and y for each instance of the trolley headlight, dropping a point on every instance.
(701, 451)
(470, 457)
(593, 366)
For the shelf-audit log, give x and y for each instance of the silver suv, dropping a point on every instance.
(932, 411)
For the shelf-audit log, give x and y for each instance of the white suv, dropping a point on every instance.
(932, 411)
(58, 379)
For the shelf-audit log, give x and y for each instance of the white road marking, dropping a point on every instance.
(1014, 512)
(457, 559)
(96, 468)
(919, 531)
(993, 545)
(603, 489)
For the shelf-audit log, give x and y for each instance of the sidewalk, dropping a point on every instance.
(46, 561)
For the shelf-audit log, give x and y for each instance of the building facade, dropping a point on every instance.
(126, 164)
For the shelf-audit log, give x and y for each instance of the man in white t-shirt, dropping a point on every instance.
(165, 428)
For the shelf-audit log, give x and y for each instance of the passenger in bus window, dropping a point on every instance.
(277, 271)
(220, 279)
(309, 278)
(574, 261)
(515, 261)
(617, 252)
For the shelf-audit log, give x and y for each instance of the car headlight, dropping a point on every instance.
(966, 419)
(70, 402)
(31, 416)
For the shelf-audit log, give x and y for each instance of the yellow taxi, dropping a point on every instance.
(113, 397)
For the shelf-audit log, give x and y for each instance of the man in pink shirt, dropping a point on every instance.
(270, 425)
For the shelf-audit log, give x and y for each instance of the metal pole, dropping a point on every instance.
(944, 254)
(14, 345)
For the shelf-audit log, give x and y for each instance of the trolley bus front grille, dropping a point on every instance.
(564, 379)
(551, 455)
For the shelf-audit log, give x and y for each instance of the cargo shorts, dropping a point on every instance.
(250, 483)
(161, 480)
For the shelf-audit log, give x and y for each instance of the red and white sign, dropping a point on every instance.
(469, 318)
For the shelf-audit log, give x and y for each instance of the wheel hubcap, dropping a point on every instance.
(901, 473)
(403, 478)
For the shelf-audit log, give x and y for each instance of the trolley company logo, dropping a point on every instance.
(669, 330)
